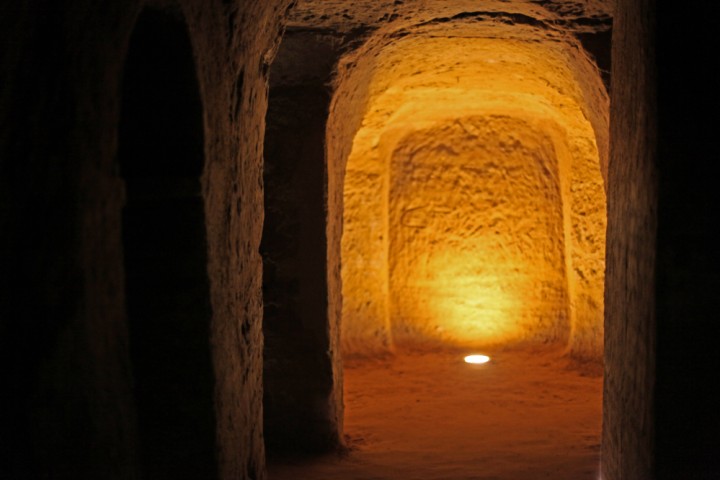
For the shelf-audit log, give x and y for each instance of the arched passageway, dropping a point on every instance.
(166, 282)
(67, 411)
(473, 218)
(466, 210)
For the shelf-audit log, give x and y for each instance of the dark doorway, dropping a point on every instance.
(297, 375)
(164, 239)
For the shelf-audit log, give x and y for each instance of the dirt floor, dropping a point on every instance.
(523, 416)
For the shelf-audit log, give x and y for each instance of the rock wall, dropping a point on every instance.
(420, 81)
(64, 337)
(476, 235)
(630, 309)
(660, 404)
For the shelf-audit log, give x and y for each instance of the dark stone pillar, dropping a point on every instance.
(627, 442)
(661, 415)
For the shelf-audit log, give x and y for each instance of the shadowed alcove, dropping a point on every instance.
(166, 282)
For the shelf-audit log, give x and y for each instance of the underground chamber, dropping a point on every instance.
(470, 198)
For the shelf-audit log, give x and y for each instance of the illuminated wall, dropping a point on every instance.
(474, 202)
(476, 234)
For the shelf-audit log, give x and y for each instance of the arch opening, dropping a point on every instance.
(473, 221)
(160, 155)
(465, 214)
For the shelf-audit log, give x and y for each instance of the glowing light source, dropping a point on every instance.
(477, 359)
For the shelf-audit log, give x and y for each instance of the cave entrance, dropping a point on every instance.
(164, 239)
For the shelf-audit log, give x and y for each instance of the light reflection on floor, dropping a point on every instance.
(523, 416)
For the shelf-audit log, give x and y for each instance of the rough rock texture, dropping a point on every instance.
(64, 340)
(322, 38)
(660, 397)
(351, 39)
(418, 81)
(64, 343)
(628, 425)
(476, 235)
(359, 41)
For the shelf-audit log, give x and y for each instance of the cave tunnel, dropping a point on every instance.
(473, 219)
(256, 240)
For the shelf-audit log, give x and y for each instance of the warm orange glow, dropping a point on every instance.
(476, 250)
(474, 206)
(477, 359)
(471, 302)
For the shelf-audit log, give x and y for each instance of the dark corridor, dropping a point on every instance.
(168, 307)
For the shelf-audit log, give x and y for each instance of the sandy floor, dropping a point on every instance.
(523, 416)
